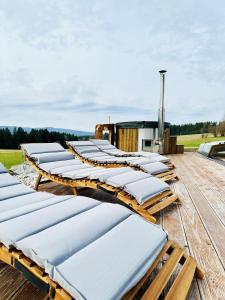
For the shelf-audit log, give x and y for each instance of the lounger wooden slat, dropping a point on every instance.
(133, 292)
(180, 287)
(183, 281)
(156, 208)
(164, 275)
(121, 195)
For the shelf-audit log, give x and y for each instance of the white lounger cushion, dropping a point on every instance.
(14, 230)
(17, 202)
(86, 149)
(62, 163)
(30, 206)
(2, 168)
(106, 147)
(35, 148)
(145, 154)
(14, 191)
(82, 243)
(147, 188)
(155, 168)
(139, 161)
(7, 180)
(114, 263)
(100, 142)
(80, 143)
(161, 158)
(113, 172)
(53, 156)
(207, 147)
(104, 260)
(122, 179)
(104, 217)
(81, 173)
(93, 154)
(61, 170)
(112, 150)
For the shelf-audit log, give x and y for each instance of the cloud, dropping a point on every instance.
(73, 63)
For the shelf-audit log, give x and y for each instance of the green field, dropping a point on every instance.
(11, 157)
(194, 140)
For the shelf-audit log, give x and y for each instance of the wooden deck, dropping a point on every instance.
(198, 225)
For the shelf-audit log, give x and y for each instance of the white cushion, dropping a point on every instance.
(93, 155)
(15, 229)
(161, 158)
(14, 191)
(63, 243)
(93, 250)
(31, 206)
(114, 263)
(207, 147)
(79, 173)
(100, 142)
(35, 148)
(61, 170)
(112, 172)
(146, 189)
(106, 147)
(104, 159)
(122, 179)
(52, 156)
(145, 154)
(86, 149)
(56, 164)
(7, 180)
(17, 202)
(155, 168)
(139, 161)
(79, 143)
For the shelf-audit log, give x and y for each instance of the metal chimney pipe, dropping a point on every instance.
(161, 117)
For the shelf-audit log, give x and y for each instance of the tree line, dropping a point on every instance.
(192, 128)
(12, 140)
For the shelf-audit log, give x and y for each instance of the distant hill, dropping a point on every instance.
(50, 129)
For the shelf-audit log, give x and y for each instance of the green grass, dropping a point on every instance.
(194, 140)
(11, 157)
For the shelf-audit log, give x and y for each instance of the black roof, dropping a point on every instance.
(140, 124)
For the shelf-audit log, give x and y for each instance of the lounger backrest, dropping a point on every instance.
(46, 152)
(100, 142)
(37, 148)
(2, 168)
(104, 145)
(207, 148)
(83, 147)
(80, 143)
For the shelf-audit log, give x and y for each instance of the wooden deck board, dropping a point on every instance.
(198, 225)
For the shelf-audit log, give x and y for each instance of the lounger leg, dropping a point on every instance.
(37, 182)
(74, 191)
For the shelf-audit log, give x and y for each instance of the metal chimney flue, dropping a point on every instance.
(161, 117)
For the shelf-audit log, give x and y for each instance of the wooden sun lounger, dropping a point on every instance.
(149, 208)
(176, 255)
(165, 176)
(212, 149)
(145, 289)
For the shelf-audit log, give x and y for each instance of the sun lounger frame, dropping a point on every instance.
(179, 289)
(165, 176)
(146, 210)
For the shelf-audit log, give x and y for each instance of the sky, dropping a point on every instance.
(72, 63)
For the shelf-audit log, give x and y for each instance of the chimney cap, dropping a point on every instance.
(162, 71)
